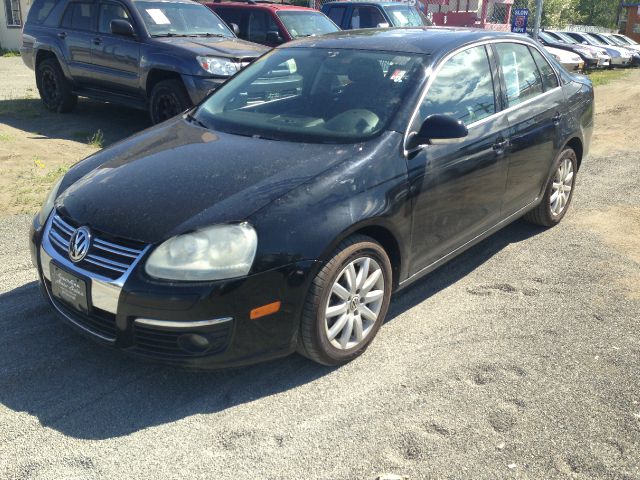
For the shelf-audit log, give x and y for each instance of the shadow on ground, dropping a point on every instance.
(91, 392)
(114, 121)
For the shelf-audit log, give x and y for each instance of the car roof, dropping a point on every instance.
(259, 4)
(383, 4)
(424, 40)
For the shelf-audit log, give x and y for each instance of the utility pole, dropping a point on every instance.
(536, 25)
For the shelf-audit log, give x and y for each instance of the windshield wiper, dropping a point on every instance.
(168, 34)
(209, 35)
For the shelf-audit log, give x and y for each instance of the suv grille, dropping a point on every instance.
(107, 257)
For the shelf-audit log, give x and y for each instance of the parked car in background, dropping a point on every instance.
(620, 57)
(593, 57)
(271, 23)
(625, 39)
(635, 53)
(354, 15)
(243, 230)
(164, 56)
(569, 60)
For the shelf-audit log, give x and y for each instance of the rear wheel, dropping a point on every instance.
(559, 191)
(347, 303)
(55, 90)
(168, 99)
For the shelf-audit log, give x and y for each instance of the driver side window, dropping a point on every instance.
(463, 88)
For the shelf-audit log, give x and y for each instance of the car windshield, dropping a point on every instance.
(314, 95)
(630, 41)
(167, 19)
(547, 38)
(598, 40)
(616, 41)
(406, 16)
(306, 23)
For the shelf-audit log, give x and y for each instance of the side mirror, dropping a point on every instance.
(235, 28)
(274, 37)
(585, 43)
(383, 25)
(122, 27)
(438, 130)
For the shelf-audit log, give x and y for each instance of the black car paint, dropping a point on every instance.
(304, 199)
(124, 70)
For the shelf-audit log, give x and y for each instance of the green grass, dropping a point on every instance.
(9, 53)
(4, 137)
(97, 140)
(602, 77)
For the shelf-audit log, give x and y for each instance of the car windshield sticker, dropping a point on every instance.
(158, 16)
(398, 75)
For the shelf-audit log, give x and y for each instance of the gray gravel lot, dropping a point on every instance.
(519, 359)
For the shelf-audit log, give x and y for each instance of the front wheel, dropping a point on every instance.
(559, 191)
(168, 99)
(347, 302)
(55, 90)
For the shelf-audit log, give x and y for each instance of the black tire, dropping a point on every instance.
(543, 214)
(313, 342)
(168, 99)
(55, 90)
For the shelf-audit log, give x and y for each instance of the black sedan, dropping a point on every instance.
(266, 220)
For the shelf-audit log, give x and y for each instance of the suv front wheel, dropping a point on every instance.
(168, 99)
(55, 90)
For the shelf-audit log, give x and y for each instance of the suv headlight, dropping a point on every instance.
(213, 253)
(219, 66)
(47, 206)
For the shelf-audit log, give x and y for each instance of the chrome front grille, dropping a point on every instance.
(108, 257)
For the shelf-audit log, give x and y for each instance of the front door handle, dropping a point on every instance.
(501, 145)
(62, 35)
(556, 119)
(97, 41)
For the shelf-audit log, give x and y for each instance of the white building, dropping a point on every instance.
(12, 15)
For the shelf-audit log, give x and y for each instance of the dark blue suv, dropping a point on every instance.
(162, 55)
(354, 15)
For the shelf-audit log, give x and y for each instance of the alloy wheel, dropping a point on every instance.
(167, 107)
(562, 186)
(354, 305)
(49, 86)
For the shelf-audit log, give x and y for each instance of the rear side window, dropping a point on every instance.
(366, 17)
(79, 16)
(548, 74)
(463, 88)
(520, 72)
(40, 11)
(337, 14)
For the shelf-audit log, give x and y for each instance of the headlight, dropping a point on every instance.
(214, 253)
(219, 66)
(585, 52)
(47, 206)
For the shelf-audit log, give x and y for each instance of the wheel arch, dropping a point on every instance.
(157, 75)
(576, 145)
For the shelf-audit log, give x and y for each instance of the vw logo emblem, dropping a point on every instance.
(79, 244)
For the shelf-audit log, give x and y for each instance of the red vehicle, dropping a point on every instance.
(272, 23)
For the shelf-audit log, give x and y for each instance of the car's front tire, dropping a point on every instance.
(558, 193)
(347, 302)
(55, 90)
(168, 99)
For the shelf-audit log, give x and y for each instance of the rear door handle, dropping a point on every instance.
(97, 41)
(62, 35)
(556, 119)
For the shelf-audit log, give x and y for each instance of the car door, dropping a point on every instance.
(116, 58)
(534, 100)
(337, 14)
(260, 23)
(457, 189)
(77, 29)
(234, 15)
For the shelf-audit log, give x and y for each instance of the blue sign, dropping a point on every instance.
(520, 19)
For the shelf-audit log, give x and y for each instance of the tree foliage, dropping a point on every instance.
(558, 13)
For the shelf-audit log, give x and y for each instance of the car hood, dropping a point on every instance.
(227, 47)
(178, 177)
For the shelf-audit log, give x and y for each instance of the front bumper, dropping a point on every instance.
(166, 322)
(199, 87)
(574, 66)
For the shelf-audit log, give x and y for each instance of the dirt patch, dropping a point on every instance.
(617, 122)
(619, 227)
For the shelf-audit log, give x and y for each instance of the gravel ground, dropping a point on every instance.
(518, 359)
